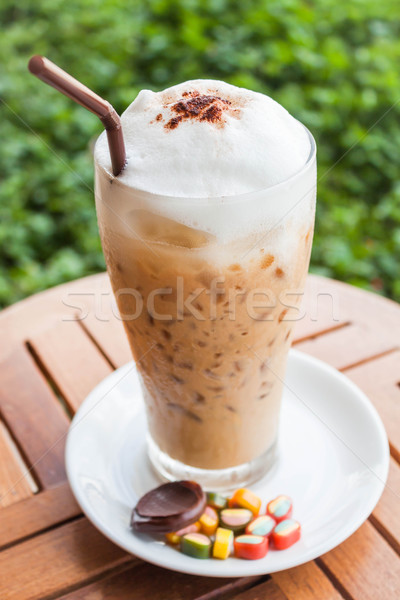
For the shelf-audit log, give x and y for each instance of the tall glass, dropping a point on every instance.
(209, 318)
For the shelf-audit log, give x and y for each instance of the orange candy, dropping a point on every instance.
(209, 521)
(244, 498)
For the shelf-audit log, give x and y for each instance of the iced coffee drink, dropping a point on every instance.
(207, 236)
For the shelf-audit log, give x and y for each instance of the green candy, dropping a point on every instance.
(235, 519)
(196, 545)
(216, 501)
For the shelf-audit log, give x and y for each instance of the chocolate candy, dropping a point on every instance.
(280, 508)
(263, 525)
(216, 501)
(208, 521)
(169, 507)
(223, 544)
(251, 547)
(244, 498)
(196, 545)
(235, 519)
(286, 533)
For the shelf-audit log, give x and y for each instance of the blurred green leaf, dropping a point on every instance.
(334, 66)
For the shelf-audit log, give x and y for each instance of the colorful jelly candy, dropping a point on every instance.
(196, 545)
(235, 519)
(263, 525)
(216, 501)
(280, 508)
(234, 525)
(175, 537)
(223, 544)
(244, 498)
(209, 521)
(251, 547)
(286, 533)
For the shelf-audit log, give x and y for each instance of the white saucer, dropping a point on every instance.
(333, 462)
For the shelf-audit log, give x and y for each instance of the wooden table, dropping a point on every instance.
(57, 345)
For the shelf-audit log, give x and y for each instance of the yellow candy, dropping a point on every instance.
(223, 543)
(208, 521)
(244, 498)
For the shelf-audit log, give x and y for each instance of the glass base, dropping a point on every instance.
(222, 480)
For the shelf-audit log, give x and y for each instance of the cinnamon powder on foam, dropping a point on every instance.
(198, 107)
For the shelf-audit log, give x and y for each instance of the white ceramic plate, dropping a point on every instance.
(333, 462)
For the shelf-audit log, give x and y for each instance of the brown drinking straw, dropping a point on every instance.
(49, 73)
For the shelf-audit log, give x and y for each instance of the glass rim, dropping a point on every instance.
(207, 200)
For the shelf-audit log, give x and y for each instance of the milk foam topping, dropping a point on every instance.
(206, 139)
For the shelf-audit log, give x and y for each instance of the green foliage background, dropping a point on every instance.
(333, 65)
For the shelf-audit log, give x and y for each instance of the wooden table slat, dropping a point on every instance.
(147, 581)
(306, 582)
(23, 320)
(321, 310)
(13, 485)
(386, 516)
(266, 591)
(43, 510)
(57, 561)
(365, 565)
(72, 360)
(347, 346)
(379, 379)
(109, 334)
(329, 303)
(35, 416)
